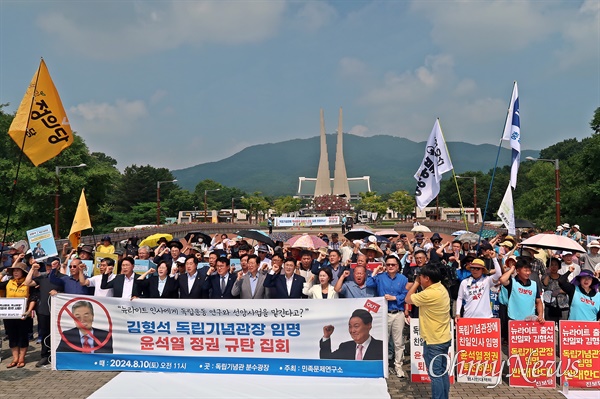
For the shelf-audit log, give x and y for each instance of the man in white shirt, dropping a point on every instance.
(568, 265)
(474, 291)
(96, 281)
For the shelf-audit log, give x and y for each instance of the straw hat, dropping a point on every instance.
(372, 247)
(478, 262)
(19, 265)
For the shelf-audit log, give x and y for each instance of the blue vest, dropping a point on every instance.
(583, 307)
(521, 302)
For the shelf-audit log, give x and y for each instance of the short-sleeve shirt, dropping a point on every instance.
(434, 314)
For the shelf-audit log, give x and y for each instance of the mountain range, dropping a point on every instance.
(391, 162)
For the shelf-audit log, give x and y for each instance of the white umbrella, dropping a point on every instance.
(553, 241)
(387, 233)
(420, 229)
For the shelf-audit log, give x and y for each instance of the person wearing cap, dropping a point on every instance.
(85, 252)
(418, 242)
(335, 242)
(474, 291)
(262, 252)
(432, 251)
(373, 252)
(558, 231)
(524, 295)
(105, 247)
(575, 235)
(566, 228)
(568, 265)
(17, 330)
(392, 286)
(588, 261)
(584, 299)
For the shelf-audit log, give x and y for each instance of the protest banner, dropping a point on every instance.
(478, 350)
(12, 308)
(418, 368)
(282, 337)
(143, 265)
(307, 221)
(531, 361)
(41, 242)
(580, 353)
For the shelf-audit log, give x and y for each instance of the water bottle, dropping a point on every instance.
(565, 387)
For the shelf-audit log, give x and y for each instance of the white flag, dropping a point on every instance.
(512, 133)
(507, 211)
(435, 163)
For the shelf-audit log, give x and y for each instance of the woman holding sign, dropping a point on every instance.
(18, 329)
(583, 295)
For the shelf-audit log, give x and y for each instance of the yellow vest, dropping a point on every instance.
(15, 290)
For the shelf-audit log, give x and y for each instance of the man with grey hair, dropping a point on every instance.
(84, 337)
(143, 253)
(588, 261)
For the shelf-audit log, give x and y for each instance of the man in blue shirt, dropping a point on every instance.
(392, 286)
(357, 288)
(69, 284)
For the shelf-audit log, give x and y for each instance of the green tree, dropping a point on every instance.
(287, 204)
(595, 122)
(401, 202)
(371, 202)
(256, 205)
(220, 199)
(138, 184)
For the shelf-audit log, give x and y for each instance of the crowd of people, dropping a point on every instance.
(419, 276)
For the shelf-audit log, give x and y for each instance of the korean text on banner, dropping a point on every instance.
(580, 353)
(435, 163)
(42, 119)
(506, 212)
(283, 337)
(41, 240)
(418, 368)
(532, 354)
(478, 351)
(512, 133)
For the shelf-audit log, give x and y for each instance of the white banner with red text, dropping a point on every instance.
(267, 337)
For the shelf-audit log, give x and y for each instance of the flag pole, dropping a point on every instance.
(508, 112)
(462, 209)
(14, 186)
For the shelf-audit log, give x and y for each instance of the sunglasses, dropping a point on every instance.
(476, 268)
(72, 267)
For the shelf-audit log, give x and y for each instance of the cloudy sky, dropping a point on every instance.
(178, 83)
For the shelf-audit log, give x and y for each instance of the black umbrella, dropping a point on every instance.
(358, 234)
(523, 224)
(197, 235)
(256, 235)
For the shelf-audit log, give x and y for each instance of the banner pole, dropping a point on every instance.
(14, 186)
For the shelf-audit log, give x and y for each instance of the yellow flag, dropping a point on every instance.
(42, 118)
(80, 222)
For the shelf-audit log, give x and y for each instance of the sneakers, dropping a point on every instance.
(400, 373)
(42, 362)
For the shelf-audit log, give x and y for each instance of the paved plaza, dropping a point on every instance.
(43, 383)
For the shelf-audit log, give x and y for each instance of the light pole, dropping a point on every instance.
(233, 208)
(556, 184)
(206, 210)
(158, 198)
(57, 196)
(474, 195)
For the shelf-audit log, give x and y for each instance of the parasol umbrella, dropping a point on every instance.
(523, 224)
(281, 236)
(552, 241)
(256, 235)
(468, 236)
(152, 241)
(489, 234)
(381, 238)
(358, 234)
(199, 237)
(387, 233)
(306, 241)
(420, 229)
(459, 233)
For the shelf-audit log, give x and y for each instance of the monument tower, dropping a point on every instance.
(323, 185)
(340, 178)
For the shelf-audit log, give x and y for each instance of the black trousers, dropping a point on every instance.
(44, 334)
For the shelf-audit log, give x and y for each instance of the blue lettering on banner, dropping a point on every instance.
(219, 365)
